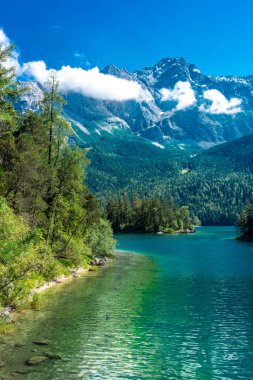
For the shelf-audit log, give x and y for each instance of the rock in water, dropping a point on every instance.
(42, 342)
(52, 356)
(19, 345)
(34, 360)
(22, 371)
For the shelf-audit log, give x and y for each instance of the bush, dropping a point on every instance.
(99, 238)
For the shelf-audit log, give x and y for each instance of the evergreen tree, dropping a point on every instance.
(148, 215)
(48, 218)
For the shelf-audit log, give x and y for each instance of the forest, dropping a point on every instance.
(49, 220)
(215, 183)
(245, 223)
(149, 215)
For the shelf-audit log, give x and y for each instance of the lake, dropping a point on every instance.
(173, 307)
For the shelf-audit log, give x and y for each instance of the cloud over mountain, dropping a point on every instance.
(182, 93)
(91, 83)
(220, 104)
(215, 109)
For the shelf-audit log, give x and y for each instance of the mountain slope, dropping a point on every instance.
(215, 183)
(238, 153)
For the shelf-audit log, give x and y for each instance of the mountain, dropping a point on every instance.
(160, 120)
(185, 105)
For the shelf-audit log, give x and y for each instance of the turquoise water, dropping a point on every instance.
(173, 307)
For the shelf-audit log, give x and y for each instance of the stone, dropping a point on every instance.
(52, 356)
(23, 371)
(19, 345)
(34, 360)
(42, 342)
(2, 363)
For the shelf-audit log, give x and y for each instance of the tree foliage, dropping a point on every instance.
(213, 186)
(149, 215)
(48, 218)
(245, 222)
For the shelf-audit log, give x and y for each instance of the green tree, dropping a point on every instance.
(99, 239)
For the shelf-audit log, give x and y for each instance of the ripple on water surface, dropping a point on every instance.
(141, 319)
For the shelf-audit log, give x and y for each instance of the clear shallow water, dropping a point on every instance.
(181, 307)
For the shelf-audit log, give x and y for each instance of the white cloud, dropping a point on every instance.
(90, 83)
(182, 93)
(4, 40)
(13, 60)
(37, 70)
(220, 104)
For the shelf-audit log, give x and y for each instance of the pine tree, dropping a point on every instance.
(9, 92)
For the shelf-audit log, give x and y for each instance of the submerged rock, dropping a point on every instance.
(23, 371)
(34, 360)
(19, 345)
(42, 342)
(2, 363)
(52, 356)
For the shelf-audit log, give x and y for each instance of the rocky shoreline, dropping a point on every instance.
(8, 314)
(178, 232)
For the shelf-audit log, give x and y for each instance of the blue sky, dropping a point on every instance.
(216, 35)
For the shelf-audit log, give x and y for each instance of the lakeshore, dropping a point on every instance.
(11, 315)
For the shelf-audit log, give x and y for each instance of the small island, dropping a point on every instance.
(149, 215)
(245, 223)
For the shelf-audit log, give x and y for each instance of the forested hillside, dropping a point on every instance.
(215, 183)
(149, 215)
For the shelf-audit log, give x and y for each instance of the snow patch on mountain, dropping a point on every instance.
(80, 126)
(157, 144)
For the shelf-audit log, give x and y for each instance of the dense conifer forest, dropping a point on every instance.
(215, 183)
(149, 215)
(245, 223)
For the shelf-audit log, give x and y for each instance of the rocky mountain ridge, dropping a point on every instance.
(185, 105)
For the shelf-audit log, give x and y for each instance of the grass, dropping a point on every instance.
(37, 301)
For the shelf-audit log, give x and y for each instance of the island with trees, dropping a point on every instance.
(149, 215)
(245, 223)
